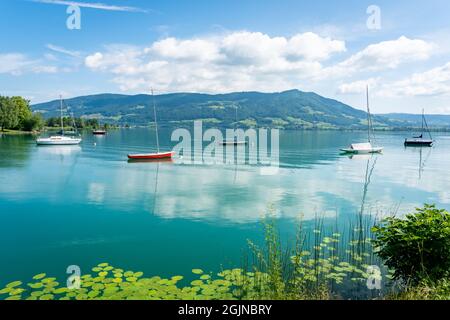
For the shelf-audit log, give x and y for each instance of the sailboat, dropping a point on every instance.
(153, 156)
(61, 139)
(366, 147)
(233, 142)
(419, 141)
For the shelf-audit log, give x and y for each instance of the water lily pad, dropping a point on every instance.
(205, 277)
(39, 276)
(197, 282)
(131, 279)
(14, 298)
(103, 273)
(14, 284)
(98, 286)
(60, 290)
(5, 290)
(47, 297)
(197, 271)
(177, 278)
(104, 264)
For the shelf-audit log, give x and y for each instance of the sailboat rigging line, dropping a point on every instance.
(156, 122)
(424, 120)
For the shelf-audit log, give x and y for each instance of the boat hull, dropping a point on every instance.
(366, 151)
(151, 156)
(58, 142)
(418, 143)
(233, 143)
(99, 133)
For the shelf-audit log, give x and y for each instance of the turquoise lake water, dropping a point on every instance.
(87, 204)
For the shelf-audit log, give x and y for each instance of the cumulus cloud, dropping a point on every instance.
(357, 87)
(235, 61)
(384, 55)
(432, 82)
(241, 61)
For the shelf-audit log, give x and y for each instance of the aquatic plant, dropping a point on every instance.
(416, 247)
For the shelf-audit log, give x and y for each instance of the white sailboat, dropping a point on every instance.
(59, 140)
(366, 147)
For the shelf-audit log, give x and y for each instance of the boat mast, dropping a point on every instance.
(156, 122)
(368, 113)
(61, 109)
(423, 118)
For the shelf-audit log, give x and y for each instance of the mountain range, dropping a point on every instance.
(293, 109)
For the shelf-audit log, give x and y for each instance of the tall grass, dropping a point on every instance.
(322, 263)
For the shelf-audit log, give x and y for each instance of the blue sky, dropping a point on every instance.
(128, 46)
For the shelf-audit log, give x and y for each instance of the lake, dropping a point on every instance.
(87, 204)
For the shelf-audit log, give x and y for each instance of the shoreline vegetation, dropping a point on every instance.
(391, 259)
(17, 117)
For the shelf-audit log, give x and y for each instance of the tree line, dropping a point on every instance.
(16, 114)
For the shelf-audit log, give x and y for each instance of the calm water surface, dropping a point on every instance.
(86, 204)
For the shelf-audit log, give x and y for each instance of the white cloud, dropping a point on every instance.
(92, 5)
(62, 50)
(384, 55)
(235, 61)
(18, 64)
(432, 82)
(357, 87)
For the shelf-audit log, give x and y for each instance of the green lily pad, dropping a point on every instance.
(197, 271)
(39, 276)
(14, 284)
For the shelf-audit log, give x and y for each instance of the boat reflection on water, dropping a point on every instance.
(60, 150)
(162, 160)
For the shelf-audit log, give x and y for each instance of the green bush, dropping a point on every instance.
(417, 247)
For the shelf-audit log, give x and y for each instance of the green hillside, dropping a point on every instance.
(289, 110)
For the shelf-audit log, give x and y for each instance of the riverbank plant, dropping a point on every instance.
(417, 247)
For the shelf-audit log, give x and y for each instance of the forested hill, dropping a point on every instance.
(289, 109)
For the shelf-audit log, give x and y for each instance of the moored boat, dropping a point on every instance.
(232, 143)
(61, 139)
(420, 141)
(99, 132)
(366, 147)
(362, 148)
(58, 140)
(153, 156)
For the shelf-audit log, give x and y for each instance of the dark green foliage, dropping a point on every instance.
(9, 117)
(80, 123)
(15, 113)
(417, 247)
(34, 122)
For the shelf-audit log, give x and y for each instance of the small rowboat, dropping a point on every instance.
(232, 143)
(99, 132)
(362, 148)
(151, 156)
